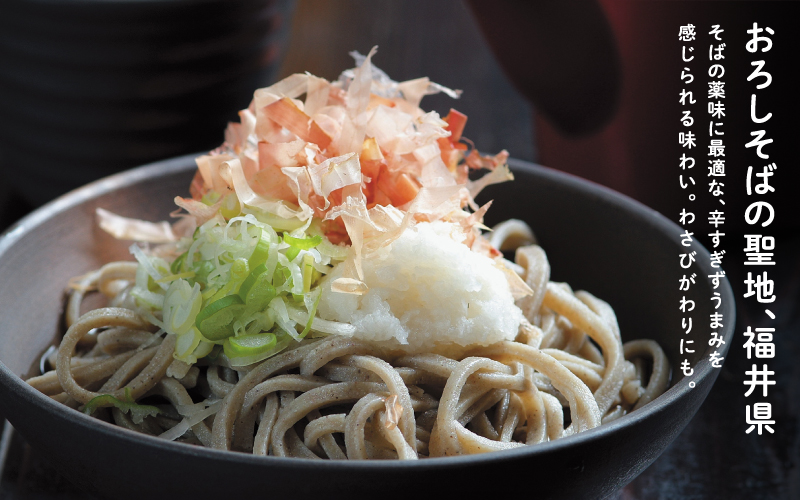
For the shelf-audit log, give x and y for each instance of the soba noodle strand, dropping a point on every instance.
(106, 317)
(570, 307)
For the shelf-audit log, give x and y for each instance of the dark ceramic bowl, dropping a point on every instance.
(596, 239)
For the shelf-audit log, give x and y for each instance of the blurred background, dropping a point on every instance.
(92, 87)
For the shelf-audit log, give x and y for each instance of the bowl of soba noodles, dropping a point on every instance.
(347, 298)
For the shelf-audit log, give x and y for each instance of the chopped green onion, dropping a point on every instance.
(210, 198)
(181, 304)
(303, 243)
(239, 270)
(201, 271)
(203, 349)
(233, 284)
(308, 271)
(155, 267)
(173, 277)
(230, 207)
(153, 285)
(187, 343)
(292, 253)
(224, 291)
(147, 298)
(215, 321)
(260, 253)
(177, 264)
(311, 315)
(208, 293)
(126, 405)
(249, 345)
(257, 291)
(336, 252)
(283, 341)
(280, 277)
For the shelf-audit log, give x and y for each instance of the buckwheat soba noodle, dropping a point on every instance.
(330, 291)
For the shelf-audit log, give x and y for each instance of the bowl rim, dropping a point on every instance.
(702, 369)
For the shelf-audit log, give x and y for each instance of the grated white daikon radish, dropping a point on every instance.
(427, 290)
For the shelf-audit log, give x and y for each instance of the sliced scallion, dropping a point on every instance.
(215, 321)
(260, 253)
(257, 291)
(126, 405)
(177, 265)
(303, 243)
(249, 345)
